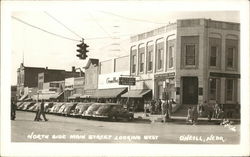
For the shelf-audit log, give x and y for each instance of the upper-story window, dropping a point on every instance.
(171, 57)
(142, 62)
(213, 55)
(150, 49)
(133, 60)
(189, 51)
(141, 58)
(231, 54)
(160, 50)
(190, 54)
(133, 63)
(230, 57)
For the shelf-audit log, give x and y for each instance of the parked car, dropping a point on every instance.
(18, 104)
(28, 105)
(80, 108)
(89, 112)
(20, 107)
(48, 106)
(113, 111)
(61, 109)
(69, 107)
(34, 107)
(56, 107)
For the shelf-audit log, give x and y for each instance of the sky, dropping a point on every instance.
(106, 28)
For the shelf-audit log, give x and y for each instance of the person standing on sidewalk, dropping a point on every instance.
(13, 109)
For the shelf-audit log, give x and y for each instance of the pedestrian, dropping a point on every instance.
(159, 106)
(189, 115)
(37, 112)
(41, 111)
(216, 109)
(13, 109)
(195, 115)
(152, 106)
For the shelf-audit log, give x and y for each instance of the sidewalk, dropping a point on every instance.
(156, 118)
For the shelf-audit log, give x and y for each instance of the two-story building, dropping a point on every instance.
(190, 61)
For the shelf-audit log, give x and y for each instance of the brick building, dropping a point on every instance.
(34, 77)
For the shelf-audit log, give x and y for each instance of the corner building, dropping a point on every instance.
(191, 61)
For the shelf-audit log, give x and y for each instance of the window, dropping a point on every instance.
(133, 63)
(229, 89)
(190, 55)
(150, 49)
(230, 56)
(213, 54)
(212, 89)
(160, 59)
(171, 59)
(150, 61)
(142, 62)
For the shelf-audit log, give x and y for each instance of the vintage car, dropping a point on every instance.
(56, 107)
(69, 107)
(80, 108)
(20, 107)
(113, 111)
(92, 108)
(48, 106)
(19, 104)
(34, 107)
(28, 105)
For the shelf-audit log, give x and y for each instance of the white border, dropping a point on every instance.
(62, 149)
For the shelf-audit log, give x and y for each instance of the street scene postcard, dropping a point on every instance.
(122, 77)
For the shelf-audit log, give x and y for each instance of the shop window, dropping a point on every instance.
(213, 55)
(212, 88)
(142, 58)
(190, 55)
(230, 57)
(133, 63)
(171, 58)
(229, 89)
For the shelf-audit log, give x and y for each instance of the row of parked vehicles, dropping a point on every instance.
(90, 110)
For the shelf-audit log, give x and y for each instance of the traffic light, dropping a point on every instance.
(82, 49)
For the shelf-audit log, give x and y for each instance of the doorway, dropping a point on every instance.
(189, 90)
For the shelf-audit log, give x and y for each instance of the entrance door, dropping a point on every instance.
(189, 90)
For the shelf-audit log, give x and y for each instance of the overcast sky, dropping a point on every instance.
(106, 30)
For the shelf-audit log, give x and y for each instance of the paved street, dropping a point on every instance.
(68, 129)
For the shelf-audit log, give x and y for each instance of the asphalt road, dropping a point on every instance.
(76, 130)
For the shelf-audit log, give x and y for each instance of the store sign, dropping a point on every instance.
(214, 74)
(127, 81)
(111, 80)
(166, 75)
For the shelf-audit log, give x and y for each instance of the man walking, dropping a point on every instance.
(41, 111)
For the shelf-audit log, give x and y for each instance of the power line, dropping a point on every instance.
(62, 24)
(43, 29)
(129, 18)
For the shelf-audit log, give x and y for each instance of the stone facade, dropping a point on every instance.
(191, 61)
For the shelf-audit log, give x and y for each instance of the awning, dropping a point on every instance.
(23, 97)
(74, 96)
(109, 93)
(85, 96)
(56, 95)
(139, 93)
(44, 96)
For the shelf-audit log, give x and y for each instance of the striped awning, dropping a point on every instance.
(139, 93)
